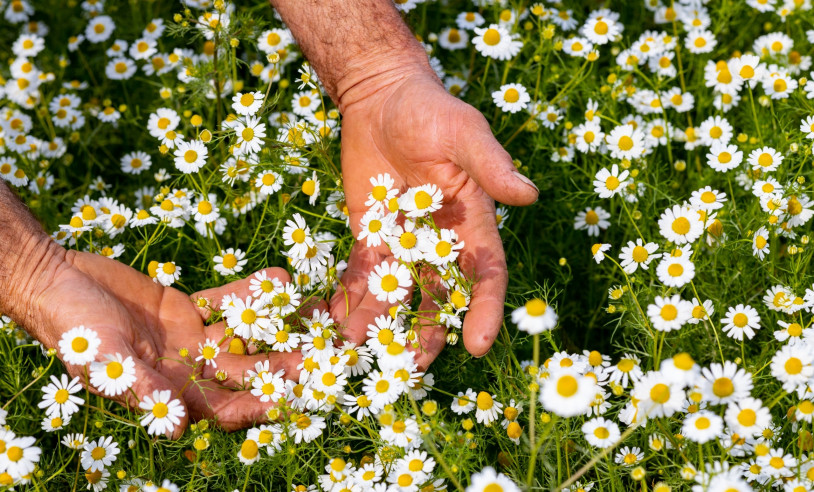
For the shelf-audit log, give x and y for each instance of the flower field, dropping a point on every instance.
(657, 332)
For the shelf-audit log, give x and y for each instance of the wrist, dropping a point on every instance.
(38, 261)
(374, 75)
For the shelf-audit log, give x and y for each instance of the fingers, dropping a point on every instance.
(484, 262)
(478, 153)
(233, 410)
(431, 334)
(237, 366)
(353, 289)
(148, 380)
(238, 287)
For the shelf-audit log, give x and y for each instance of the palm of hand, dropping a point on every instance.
(136, 317)
(418, 133)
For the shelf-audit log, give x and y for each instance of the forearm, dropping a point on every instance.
(27, 256)
(351, 42)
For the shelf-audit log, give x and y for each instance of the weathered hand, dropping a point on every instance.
(404, 123)
(136, 317)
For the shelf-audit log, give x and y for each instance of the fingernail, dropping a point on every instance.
(525, 180)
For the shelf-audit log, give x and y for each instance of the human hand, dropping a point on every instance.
(135, 317)
(403, 122)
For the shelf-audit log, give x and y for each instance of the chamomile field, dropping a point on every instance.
(657, 326)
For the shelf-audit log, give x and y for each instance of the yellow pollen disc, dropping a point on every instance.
(491, 37)
(382, 386)
(248, 316)
(777, 462)
(625, 143)
(723, 387)
(79, 344)
(298, 236)
(98, 453)
(794, 330)
(229, 260)
(747, 417)
(760, 242)
(249, 449)
(484, 401)
(702, 423)
(567, 386)
(268, 179)
(309, 187)
(160, 410)
(511, 95)
(765, 159)
(591, 218)
(740, 320)
(681, 226)
(61, 396)
(793, 366)
(247, 134)
(247, 99)
(660, 393)
(683, 360)
(114, 369)
(389, 283)
(700, 42)
(190, 156)
(669, 312)
(443, 248)
(746, 72)
(536, 307)
(639, 254)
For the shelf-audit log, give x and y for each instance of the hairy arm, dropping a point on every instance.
(349, 42)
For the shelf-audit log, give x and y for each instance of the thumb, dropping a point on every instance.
(479, 154)
(164, 413)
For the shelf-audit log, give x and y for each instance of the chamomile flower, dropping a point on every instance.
(496, 42)
(609, 183)
(535, 317)
(421, 200)
(487, 409)
(99, 454)
(567, 393)
(58, 397)
(511, 98)
(598, 251)
(675, 271)
(657, 395)
(120, 68)
(765, 159)
(442, 248)
(638, 254)
(190, 156)
(760, 243)
(162, 412)
(723, 384)
(376, 227)
(792, 366)
(748, 417)
(250, 135)
(249, 318)
(601, 29)
(382, 193)
(680, 224)
(269, 387)
(167, 273)
(389, 282)
(707, 199)
(406, 241)
(208, 352)
(625, 142)
(601, 433)
(592, 219)
(488, 480)
(741, 320)
(230, 261)
(669, 313)
(113, 376)
(247, 104)
(702, 426)
(268, 183)
(297, 235)
(452, 39)
(700, 41)
(79, 345)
